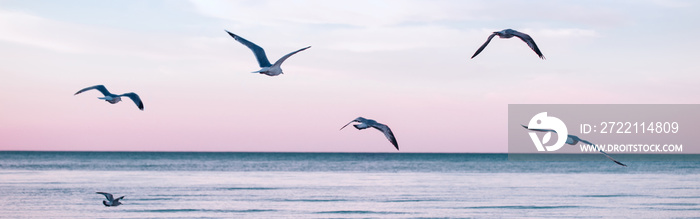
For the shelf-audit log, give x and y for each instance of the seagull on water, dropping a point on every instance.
(508, 33)
(113, 98)
(267, 68)
(366, 123)
(111, 201)
(573, 140)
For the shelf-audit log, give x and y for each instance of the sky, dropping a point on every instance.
(403, 63)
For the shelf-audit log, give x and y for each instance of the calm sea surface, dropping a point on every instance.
(340, 185)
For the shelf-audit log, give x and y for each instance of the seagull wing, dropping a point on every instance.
(539, 130)
(120, 198)
(601, 151)
(484, 46)
(257, 50)
(101, 88)
(387, 132)
(135, 98)
(354, 120)
(107, 195)
(279, 62)
(530, 42)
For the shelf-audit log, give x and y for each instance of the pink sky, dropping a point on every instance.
(407, 67)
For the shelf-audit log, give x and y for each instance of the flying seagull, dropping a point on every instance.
(113, 98)
(110, 200)
(573, 140)
(267, 68)
(366, 123)
(508, 33)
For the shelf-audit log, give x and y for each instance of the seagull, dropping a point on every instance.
(366, 123)
(573, 140)
(267, 68)
(508, 33)
(110, 200)
(113, 98)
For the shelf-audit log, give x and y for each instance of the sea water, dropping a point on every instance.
(340, 185)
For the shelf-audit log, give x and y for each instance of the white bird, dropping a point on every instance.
(508, 33)
(366, 123)
(267, 68)
(111, 201)
(113, 98)
(573, 140)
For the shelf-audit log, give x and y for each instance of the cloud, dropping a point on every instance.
(366, 26)
(562, 32)
(671, 3)
(70, 38)
(32, 30)
(366, 13)
(352, 13)
(371, 26)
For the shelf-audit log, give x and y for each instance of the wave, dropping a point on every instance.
(673, 204)
(688, 197)
(412, 200)
(330, 162)
(315, 200)
(360, 212)
(611, 196)
(250, 188)
(523, 207)
(204, 210)
(672, 209)
(180, 195)
(149, 199)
